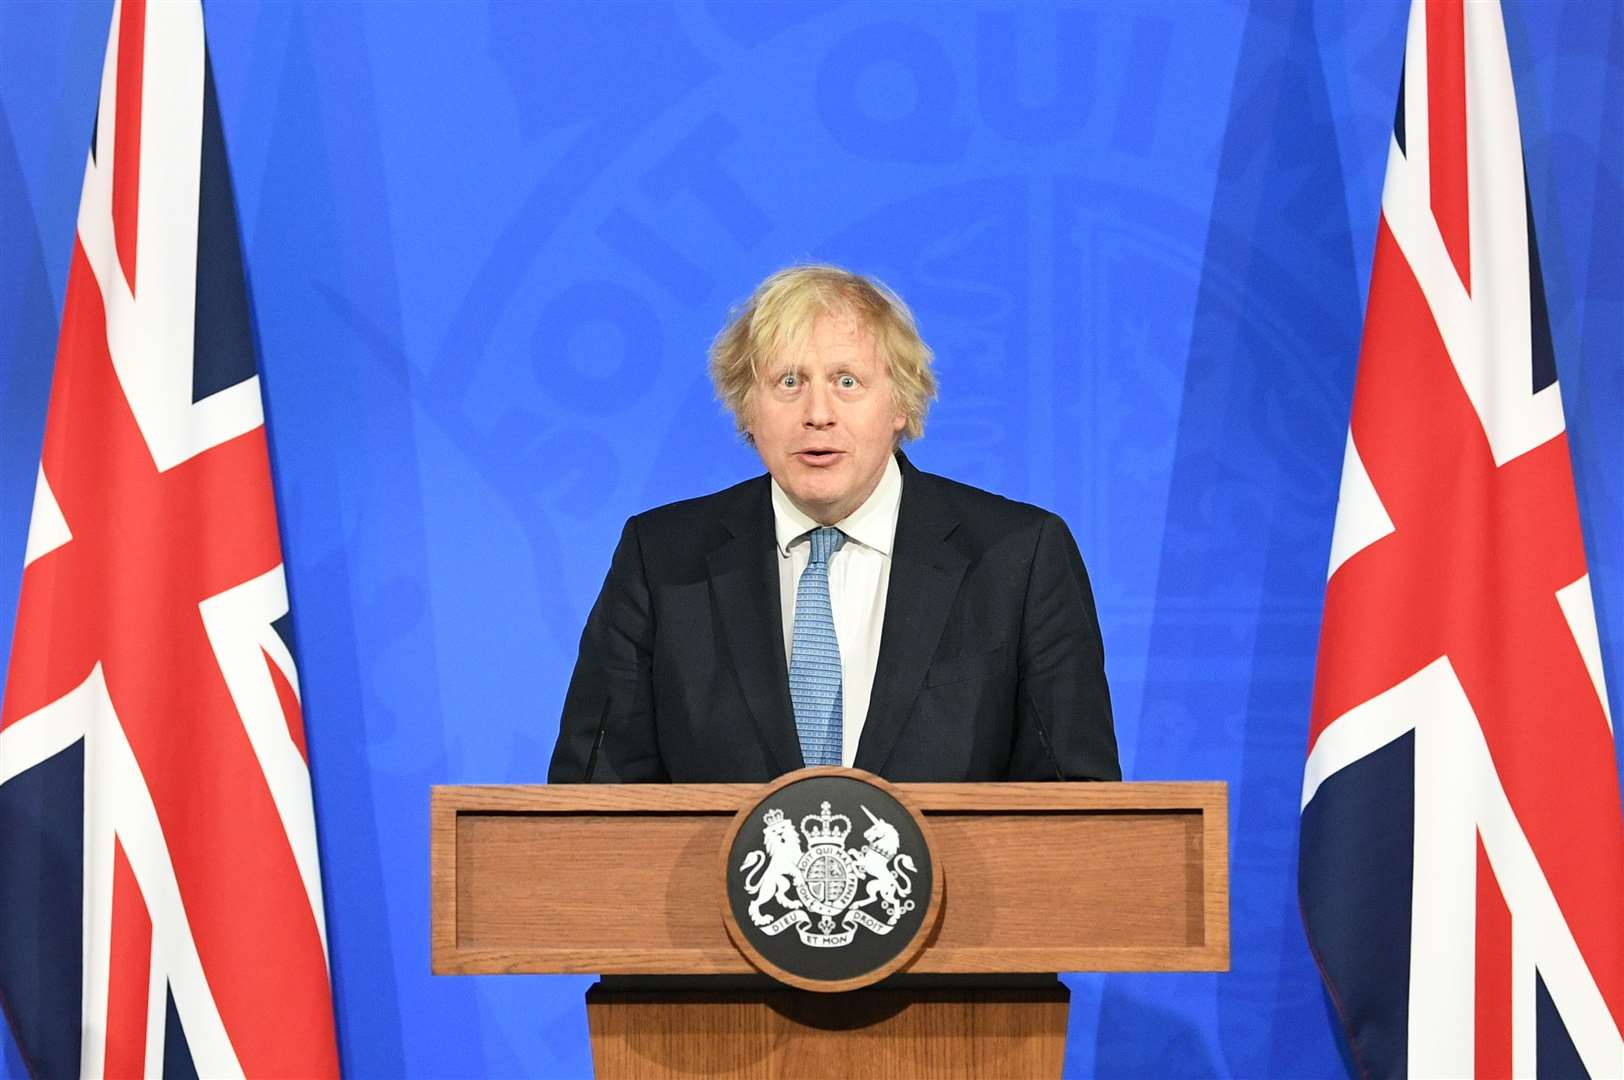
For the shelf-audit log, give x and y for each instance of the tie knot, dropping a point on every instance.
(825, 542)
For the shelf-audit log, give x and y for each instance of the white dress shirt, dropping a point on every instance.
(858, 575)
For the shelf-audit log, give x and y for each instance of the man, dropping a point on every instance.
(845, 609)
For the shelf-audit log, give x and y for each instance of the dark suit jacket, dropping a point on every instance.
(990, 663)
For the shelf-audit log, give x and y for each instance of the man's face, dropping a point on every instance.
(824, 421)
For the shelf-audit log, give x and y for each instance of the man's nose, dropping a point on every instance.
(819, 413)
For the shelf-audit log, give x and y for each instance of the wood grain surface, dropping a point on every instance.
(623, 879)
(886, 1034)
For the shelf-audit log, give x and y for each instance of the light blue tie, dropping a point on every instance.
(814, 656)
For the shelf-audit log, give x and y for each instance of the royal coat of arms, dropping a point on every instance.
(816, 888)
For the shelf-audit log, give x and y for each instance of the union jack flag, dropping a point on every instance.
(160, 895)
(1462, 849)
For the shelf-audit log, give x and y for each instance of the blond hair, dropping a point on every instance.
(778, 317)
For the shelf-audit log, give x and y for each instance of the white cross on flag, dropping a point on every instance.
(160, 895)
(1462, 857)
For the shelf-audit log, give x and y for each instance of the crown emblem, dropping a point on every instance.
(826, 828)
(773, 816)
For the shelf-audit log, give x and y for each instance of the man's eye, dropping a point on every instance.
(848, 382)
(789, 381)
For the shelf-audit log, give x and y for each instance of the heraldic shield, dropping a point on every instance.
(830, 881)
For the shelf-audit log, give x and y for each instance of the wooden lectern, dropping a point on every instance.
(623, 881)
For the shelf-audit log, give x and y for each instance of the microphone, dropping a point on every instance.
(597, 743)
(1043, 736)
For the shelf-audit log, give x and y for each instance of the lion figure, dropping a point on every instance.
(771, 875)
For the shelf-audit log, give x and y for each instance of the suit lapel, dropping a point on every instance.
(925, 575)
(744, 588)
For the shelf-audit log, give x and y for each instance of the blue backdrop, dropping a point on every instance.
(488, 244)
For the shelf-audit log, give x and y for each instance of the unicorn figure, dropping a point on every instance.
(887, 871)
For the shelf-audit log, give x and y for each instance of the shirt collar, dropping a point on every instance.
(873, 524)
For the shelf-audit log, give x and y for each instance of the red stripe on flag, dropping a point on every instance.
(1492, 1027)
(1356, 663)
(54, 650)
(148, 547)
(290, 706)
(129, 974)
(1446, 126)
(132, 30)
(1471, 571)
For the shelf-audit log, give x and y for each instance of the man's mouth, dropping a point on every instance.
(818, 456)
